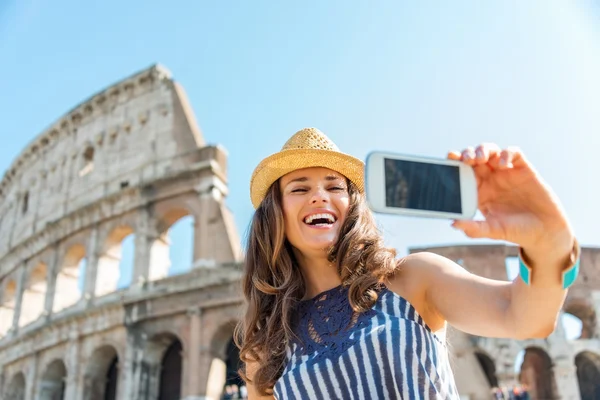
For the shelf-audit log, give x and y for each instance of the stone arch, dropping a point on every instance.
(53, 383)
(537, 374)
(68, 287)
(588, 375)
(115, 267)
(171, 372)
(34, 294)
(102, 374)
(162, 367)
(172, 253)
(8, 300)
(488, 366)
(585, 312)
(16, 387)
(225, 361)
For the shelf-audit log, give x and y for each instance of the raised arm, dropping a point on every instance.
(518, 207)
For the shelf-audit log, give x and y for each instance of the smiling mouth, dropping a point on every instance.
(323, 219)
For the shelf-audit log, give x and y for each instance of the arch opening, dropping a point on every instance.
(572, 326)
(7, 306)
(537, 374)
(53, 383)
(579, 320)
(172, 253)
(16, 388)
(588, 375)
(181, 248)
(170, 372)
(34, 295)
(488, 367)
(115, 265)
(102, 374)
(223, 377)
(68, 287)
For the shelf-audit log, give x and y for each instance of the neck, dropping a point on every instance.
(319, 274)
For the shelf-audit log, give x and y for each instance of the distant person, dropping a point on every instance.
(334, 314)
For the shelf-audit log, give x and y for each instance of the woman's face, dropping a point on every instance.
(315, 202)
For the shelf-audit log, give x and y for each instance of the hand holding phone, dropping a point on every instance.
(516, 203)
(420, 186)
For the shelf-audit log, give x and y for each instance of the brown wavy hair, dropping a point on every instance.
(273, 282)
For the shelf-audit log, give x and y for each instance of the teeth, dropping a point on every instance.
(311, 218)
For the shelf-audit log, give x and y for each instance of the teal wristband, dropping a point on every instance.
(569, 275)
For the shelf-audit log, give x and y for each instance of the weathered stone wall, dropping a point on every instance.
(130, 160)
(567, 373)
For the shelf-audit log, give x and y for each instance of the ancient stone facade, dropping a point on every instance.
(554, 368)
(131, 161)
(128, 161)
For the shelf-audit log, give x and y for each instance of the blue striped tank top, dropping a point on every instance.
(387, 352)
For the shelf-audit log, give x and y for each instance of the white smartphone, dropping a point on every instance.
(420, 186)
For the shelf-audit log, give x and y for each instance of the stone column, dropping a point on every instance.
(30, 383)
(3, 379)
(51, 284)
(137, 380)
(91, 268)
(193, 371)
(206, 237)
(596, 304)
(73, 365)
(144, 236)
(130, 370)
(565, 373)
(21, 282)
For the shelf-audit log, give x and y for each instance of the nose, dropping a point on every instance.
(320, 195)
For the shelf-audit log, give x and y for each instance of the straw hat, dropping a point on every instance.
(308, 147)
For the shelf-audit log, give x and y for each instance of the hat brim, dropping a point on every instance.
(279, 164)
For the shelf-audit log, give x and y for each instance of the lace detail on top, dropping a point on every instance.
(326, 324)
(387, 352)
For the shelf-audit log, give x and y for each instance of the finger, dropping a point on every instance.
(468, 155)
(507, 158)
(453, 155)
(477, 229)
(486, 151)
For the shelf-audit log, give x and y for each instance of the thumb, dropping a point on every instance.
(477, 229)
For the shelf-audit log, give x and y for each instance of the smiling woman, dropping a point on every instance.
(327, 301)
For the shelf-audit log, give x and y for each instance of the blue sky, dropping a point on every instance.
(394, 75)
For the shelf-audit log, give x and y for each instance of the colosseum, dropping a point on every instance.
(130, 163)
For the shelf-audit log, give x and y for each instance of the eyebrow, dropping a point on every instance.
(304, 179)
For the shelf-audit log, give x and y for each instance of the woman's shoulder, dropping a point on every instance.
(413, 280)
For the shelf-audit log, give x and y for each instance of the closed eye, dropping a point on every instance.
(299, 190)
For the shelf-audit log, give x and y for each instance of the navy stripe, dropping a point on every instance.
(325, 372)
(429, 367)
(439, 383)
(388, 379)
(362, 372)
(398, 361)
(376, 369)
(408, 356)
(300, 383)
(339, 378)
(421, 373)
(350, 371)
(411, 311)
(313, 381)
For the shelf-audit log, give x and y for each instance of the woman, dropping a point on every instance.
(332, 313)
